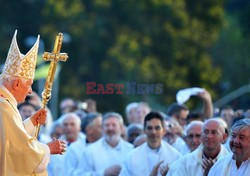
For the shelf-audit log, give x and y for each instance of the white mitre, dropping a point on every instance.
(19, 65)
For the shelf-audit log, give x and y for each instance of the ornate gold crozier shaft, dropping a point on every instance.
(54, 57)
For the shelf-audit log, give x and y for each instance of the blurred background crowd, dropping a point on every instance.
(81, 124)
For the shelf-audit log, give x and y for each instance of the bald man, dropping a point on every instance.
(202, 159)
(237, 163)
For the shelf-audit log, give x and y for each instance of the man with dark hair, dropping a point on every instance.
(237, 163)
(179, 112)
(92, 127)
(133, 131)
(142, 159)
(26, 109)
(67, 105)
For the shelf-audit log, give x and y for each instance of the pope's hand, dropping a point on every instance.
(39, 117)
(57, 146)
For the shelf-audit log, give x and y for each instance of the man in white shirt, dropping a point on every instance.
(71, 134)
(92, 127)
(192, 138)
(142, 159)
(173, 133)
(238, 163)
(104, 157)
(200, 161)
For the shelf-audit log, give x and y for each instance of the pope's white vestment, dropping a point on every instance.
(20, 153)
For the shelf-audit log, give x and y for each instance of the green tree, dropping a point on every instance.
(156, 41)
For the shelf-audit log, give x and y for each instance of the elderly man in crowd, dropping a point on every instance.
(193, 137)
(201, 160)
(173, 134)
(71, 133)
(141, 111)
(131, 112)
(142, 159)
(72, 128)
(92, 127)
(237, 163)
(104, 157)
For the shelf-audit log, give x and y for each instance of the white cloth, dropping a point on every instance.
(30, 128)
(100, 155)
(178, 144)
(191, 164)
(184, 150)
(226, 166)
(73, 155)
(141, 160)
(56, 165)
(183, 95)
(227, 144)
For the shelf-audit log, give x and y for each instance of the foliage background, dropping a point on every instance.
(179, 43)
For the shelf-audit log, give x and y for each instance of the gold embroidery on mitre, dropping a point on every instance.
(19, 65)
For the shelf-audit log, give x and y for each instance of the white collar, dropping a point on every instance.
(8, 95)
(117, 147)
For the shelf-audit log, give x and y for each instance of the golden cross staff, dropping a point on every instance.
(54, 57)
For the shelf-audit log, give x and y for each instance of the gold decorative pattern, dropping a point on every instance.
(19, 65)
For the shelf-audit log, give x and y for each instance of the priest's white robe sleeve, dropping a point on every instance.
(30, 128)
(173, 167)
(86, 167)
(126, 168)
(70, 163)
(221, 167)
(179, 168)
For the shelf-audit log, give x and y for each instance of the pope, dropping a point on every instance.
(20, 153)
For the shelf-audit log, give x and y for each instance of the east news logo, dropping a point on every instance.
(130, 88)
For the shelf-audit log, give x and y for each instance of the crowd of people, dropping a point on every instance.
(175, 142)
